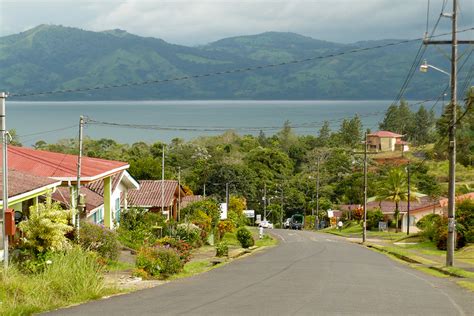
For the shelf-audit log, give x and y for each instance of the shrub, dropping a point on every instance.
(465, 219)
(159, 261)
(222, 249)
(46, 227)
(100, 239)
(244, 236)
(430, 225)
(373, 219)
(226, 226)
(137, 227)
(189, 233)
(358, 214)
(182, 247)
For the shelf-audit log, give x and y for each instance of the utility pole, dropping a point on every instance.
(227, 195)
(454, 42)
(364, 229)
(179, 193)
(3, 130)
(281, 216)
(163, 182)
(317, 197)
(408, 202)
(79, 209)
(204, 190)
(265, 202)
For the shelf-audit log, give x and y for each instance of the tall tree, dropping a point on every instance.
(422, 129)
(394, 188)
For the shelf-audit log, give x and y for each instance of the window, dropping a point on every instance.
(117, 204)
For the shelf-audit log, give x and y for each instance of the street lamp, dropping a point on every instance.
(425, 66)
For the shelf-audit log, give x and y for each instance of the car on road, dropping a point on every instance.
(296, 221)
(266, 224)
(286, 224)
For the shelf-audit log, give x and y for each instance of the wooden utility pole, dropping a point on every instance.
(79, 209)
(408, 196)
(317, 197)
(364, 229)
(4, 133)
(454, 42)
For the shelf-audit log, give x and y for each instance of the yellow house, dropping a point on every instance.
(386, 141)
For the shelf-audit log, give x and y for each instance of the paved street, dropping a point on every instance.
(307, 274)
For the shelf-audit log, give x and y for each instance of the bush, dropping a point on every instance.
(100, 239)
(373, 219)
(244, 236)
(430, 226)
(465, 219)
(226, 226)
(222, 249)
(159, 261)
(182, 247)
(46, 227)
(189, 233)
(137, 227)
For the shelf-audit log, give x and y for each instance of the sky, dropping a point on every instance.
(197, 22)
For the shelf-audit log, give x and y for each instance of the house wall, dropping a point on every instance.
(415, 217)
(387, 143)
(374, 143)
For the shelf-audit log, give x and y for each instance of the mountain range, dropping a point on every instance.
(51, 57)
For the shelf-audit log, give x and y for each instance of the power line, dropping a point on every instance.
(231, 71)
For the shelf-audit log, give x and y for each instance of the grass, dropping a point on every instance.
(113, 265)
(467, 285)
(71, 278)
(194, 267)
(231, 239)
(266, 241)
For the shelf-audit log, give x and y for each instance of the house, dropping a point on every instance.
(63, 168)
(94, 196)
(26, 190)
(386, 141)
(418, 209)
(190, 199)
(158, 196)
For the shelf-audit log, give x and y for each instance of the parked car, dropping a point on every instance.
(286, 224)
(266, 224)
(296, 221)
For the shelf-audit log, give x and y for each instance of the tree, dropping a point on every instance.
(423, 126)
(399, 119)
(324, 135)
(351, 131)
(394, 188)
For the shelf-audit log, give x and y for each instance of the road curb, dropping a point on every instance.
(411, 260)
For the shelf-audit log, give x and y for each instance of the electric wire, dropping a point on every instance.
(225, 72)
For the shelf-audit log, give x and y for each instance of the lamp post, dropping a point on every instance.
(452, 144)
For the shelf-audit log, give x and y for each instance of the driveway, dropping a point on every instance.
(307, 274)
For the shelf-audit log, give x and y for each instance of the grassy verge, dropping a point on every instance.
(354, 230)
(467, 285)
(194, 268)
(71, 278)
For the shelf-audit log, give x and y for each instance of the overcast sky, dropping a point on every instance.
(195, 22)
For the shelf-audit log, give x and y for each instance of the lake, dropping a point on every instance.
(51, 121)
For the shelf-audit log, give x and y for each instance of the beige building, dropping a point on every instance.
(386, 141)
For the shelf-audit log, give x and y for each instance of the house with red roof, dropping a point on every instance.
(26, 190)
(158, 196)
(96, 173)
(386, 141)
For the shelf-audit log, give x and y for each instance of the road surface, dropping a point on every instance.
(307, 274)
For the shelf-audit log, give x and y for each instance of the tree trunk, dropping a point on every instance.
(397, 213)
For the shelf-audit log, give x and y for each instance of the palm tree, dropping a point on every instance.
(394, 189)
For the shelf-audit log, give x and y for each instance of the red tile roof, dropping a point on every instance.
(19, 183)
(93, 200)
(149, 194)
(459, 198)
(98, 186)
(189, 199)
(385, 134)
(388, 207)
(61, 166)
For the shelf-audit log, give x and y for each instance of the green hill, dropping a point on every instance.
(51, 57)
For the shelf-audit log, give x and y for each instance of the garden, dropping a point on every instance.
(54, 265)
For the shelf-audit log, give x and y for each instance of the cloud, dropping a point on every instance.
(194, 22)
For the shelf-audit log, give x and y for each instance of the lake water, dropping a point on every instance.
(51, 121)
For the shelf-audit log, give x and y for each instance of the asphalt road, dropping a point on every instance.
(307, 274)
